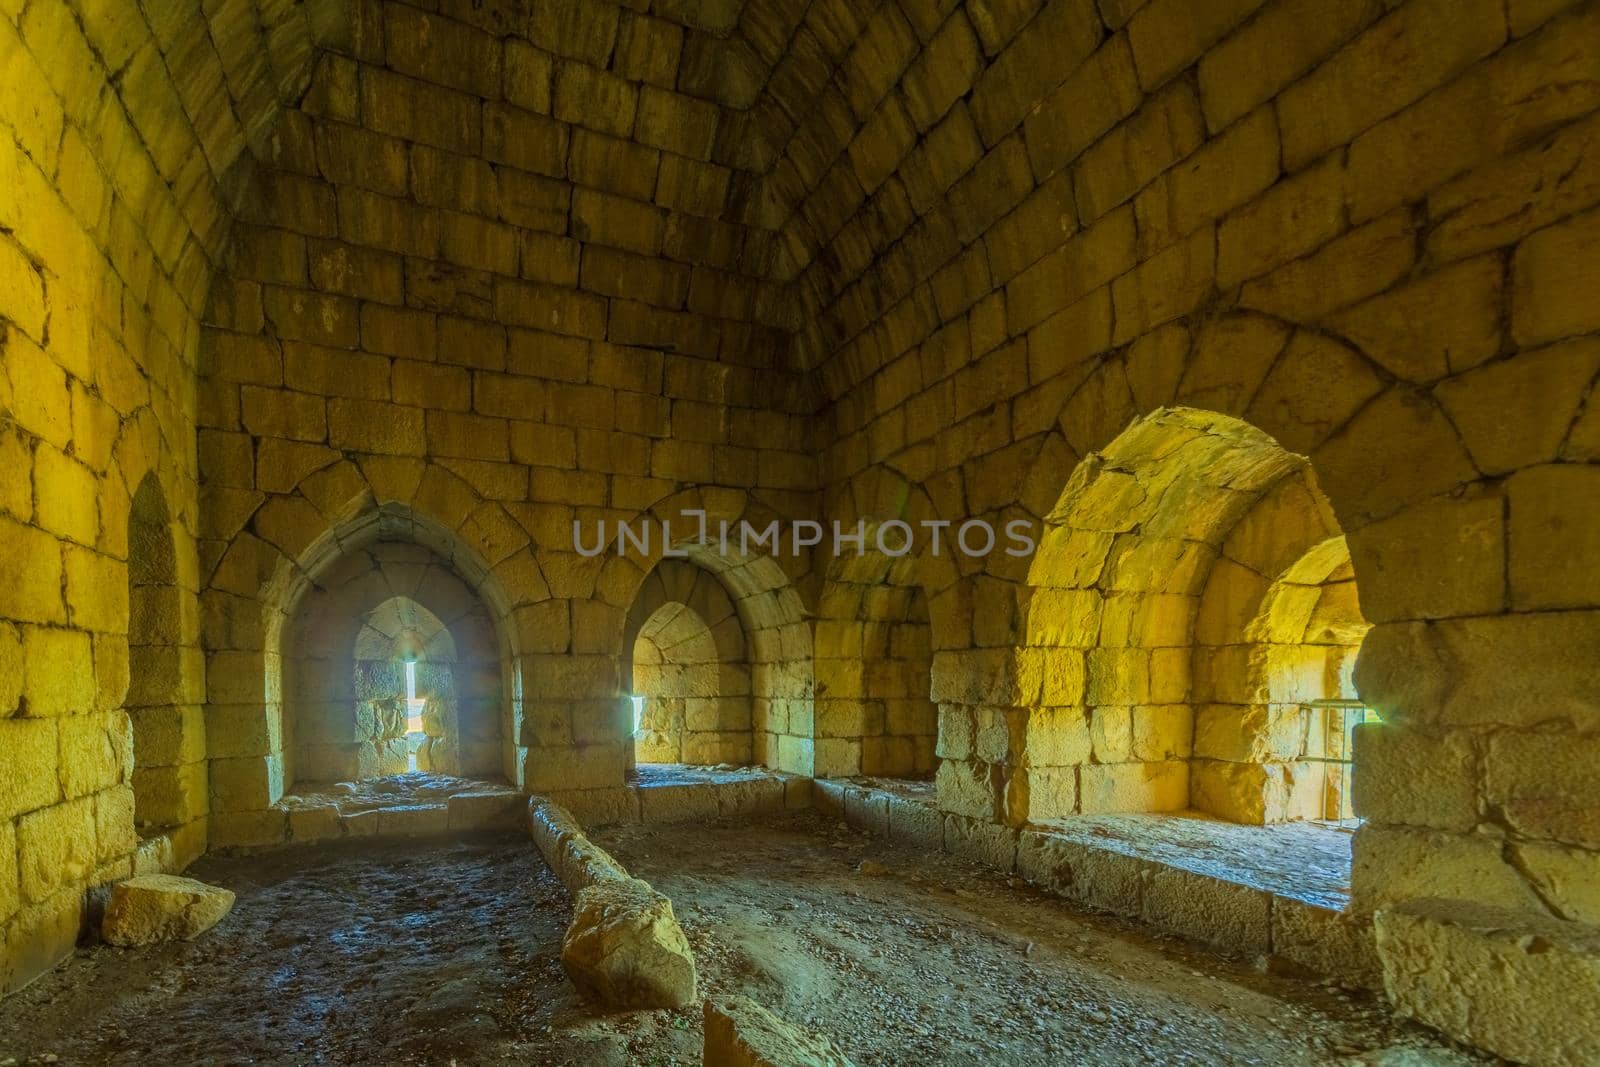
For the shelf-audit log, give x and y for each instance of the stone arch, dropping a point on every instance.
(773, 593)
(1314, 394)
(1095, 711)
(345, 651)
(401, 628)
(687, 661)
(1276, 632)
(283, 550)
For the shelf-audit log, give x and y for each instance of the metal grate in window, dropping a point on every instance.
(1329, 732)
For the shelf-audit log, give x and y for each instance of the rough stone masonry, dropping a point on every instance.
(1276, 317)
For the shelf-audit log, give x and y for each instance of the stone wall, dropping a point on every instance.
(462, 273)
(492, 278)
(123, 141)
(874, 662)
(1361, 228)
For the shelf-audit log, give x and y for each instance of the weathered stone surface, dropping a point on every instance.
(741, 1033)
(1507, 981)
(493, 270)
(162, 907)
(625, 947)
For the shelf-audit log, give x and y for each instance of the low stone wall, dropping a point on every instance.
(624, 947)
(576, 860)
(1226, 915)
(772, 791)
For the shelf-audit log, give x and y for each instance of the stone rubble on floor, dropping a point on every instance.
(741, 1033)
(162, 907)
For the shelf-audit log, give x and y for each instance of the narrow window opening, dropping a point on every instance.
(638, 714)
(415, 734)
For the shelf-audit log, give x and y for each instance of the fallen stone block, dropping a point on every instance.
(741, 1033)
(162, 907)
(625, 947)
(1524, 986)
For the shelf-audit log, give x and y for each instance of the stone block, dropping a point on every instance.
(1416, 48)
(1507, 669)
(741, 1033)
(441, 51)
(414, 820)
(1134, 787)
(678, 803)
(676, 123)
(1232, 169)
(279, 413)
(1451, 552)
(170, 795)
(1168, 35)
(40, 936)
(1544, 784)
(1511, 982)
(647, 49)
(1415, 776)
(1295, 216)
(429, 114)
(751, 797)
(246, 784)
(249, 829)
(1202, 907)
(1500, 203)
(381, 222)
(1166, 129)
(945, 71)
(1554, 274)
(30, 574)
(1394, 864)
(981, 842)
(1504, 101)
(1554, 539)
(58, 672)
(626, 949)
(56, 849)
(161, 907)
(318, 823)
(1338, 944)
(375, 426)
(1273, 50)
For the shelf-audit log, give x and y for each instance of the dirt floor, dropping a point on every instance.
(437, 952)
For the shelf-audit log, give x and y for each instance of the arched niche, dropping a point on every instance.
(688, 672)
(1172, 554)
(381, 616)
(169, 735)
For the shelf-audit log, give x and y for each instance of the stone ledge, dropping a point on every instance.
(1159, 885)
(669, 793)
(1523, 986)
(428, 806)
